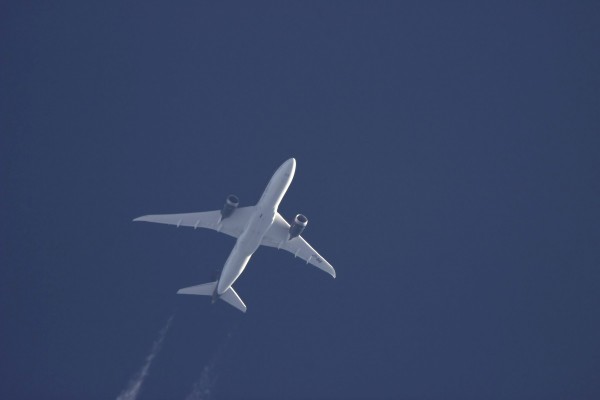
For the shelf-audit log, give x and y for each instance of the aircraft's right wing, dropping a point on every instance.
(233, 225)
(277, 236)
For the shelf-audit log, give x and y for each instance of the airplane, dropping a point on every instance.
(252, 226)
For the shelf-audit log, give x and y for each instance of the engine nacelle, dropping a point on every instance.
(298, 226)
(231, 203)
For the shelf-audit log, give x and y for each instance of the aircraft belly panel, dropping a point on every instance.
(234, 266)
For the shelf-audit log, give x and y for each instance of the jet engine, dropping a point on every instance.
(298, 226)
(231, 204)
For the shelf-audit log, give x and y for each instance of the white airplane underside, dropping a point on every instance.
(252, 226)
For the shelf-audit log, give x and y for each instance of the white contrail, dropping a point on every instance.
(204, 386)
(132, 390)
(202, 389)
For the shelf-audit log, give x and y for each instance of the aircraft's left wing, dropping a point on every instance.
(233, 225)
(277, 236)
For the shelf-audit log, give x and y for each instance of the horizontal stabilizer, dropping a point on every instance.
(206, 289)
(231, 297)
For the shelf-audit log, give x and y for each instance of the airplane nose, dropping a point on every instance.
(288, 168)
(291, 165)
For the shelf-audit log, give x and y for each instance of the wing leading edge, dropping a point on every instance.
(233, 225)
(277, 236)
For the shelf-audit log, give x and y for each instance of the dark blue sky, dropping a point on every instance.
(448, 162)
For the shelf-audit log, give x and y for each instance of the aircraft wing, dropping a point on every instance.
(277, 236)
(233, 225)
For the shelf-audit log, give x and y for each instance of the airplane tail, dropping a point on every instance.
(209, 289)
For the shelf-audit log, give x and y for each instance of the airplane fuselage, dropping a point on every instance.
(253, 226)
(260, 222)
